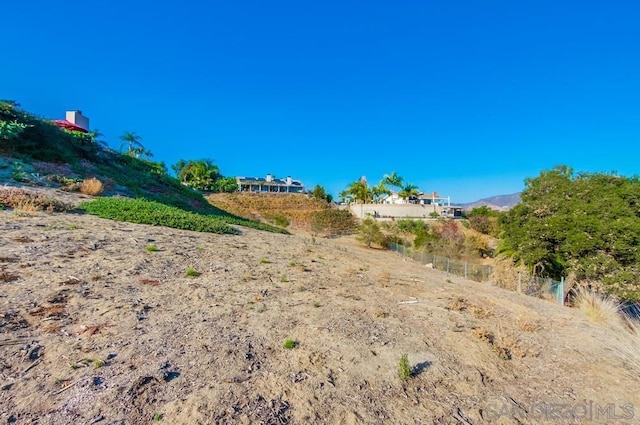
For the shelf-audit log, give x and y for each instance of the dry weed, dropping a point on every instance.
(627, 346)
(91, 186)
(6, 277)
(505, 274)
(457, 304)
(597, 307)
(28, 202)
(527, 325)
(479, 312)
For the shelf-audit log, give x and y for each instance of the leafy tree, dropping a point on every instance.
(369, 232)
(198, 174)
(225, 184)
(392, 179)
(321, 194)
(379, 191)
(134, 147)
(95, 136)
(585, 225)
(484, 220)
(359, 191)
(408, 191)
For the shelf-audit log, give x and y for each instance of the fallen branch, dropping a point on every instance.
(408, 302)
(68, 386)
(32, 365)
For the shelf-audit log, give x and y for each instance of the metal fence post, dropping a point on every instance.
(519, 282)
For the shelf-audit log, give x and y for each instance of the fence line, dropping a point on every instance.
(530, 285)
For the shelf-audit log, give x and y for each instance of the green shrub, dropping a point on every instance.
(333, 221)
(289, 344)
(191, 272)
(404, 368)
(154, 213)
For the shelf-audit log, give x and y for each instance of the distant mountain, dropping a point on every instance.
(499, 202)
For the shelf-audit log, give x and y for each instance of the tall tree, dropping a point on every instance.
(584, 225)
(393, 179)
(408, 191)
(199, 174)
(96, 136)
(360, 191)
(379, 191)
(134, 147)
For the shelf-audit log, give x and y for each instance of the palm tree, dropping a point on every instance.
(95, 135)
(134, 148)
(360, 191)
(200, 174)
(392, 179)
(408, 191)
(379, 191)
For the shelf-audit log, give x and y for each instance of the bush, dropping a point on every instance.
(91, 187)
(154, 213)
(369, 232)
(333, 221)
(404, 368)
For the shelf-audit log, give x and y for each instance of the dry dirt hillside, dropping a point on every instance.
(96, 329)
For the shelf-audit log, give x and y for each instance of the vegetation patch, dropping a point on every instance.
(404, 368)
(156, 214)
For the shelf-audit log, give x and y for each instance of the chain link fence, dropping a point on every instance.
(530, 285)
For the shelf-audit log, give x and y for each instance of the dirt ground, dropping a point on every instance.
(95, 328)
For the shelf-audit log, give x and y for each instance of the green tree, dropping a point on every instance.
(225, 185)
(359, 191)
(393, 179)
(586, 225)
(369, 232)
(96, 136)
(484, 220)
(379, 191)
(131, 141)
(321, 194)
(408, 191)
(199, 174)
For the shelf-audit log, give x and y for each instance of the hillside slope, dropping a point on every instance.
(94, 328)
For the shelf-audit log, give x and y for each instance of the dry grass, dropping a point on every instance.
(506, 346)
(597, 307)
(526, 324)
(26, 201)
(505, 274)
(457, 304)
(91, 186)
(628, 347)
(6, 277)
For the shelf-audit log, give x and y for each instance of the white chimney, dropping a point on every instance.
(269, 177)
(76, 117)
(289, 181)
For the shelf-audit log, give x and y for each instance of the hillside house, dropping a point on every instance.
(74, 121)
(422, 199)
(269, 184)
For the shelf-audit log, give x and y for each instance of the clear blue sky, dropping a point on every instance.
(467, 98)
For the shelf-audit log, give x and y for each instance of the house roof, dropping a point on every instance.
(68, 125)
(274, 182)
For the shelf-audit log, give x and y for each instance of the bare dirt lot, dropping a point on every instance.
(98, 327)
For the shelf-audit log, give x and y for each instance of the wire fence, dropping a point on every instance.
(530, 285)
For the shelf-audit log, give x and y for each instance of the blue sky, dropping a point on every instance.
(466, 98)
